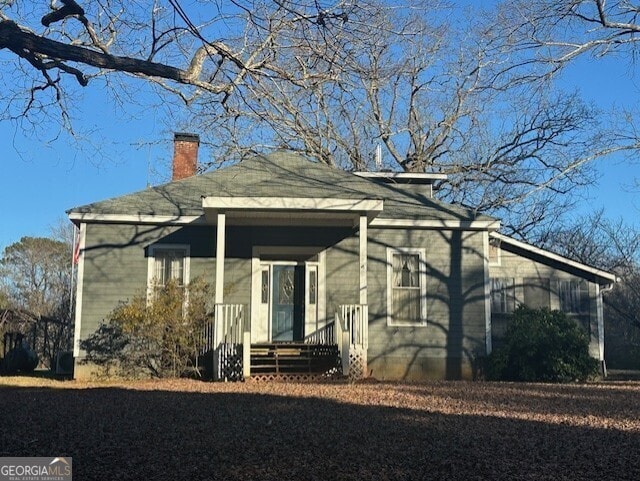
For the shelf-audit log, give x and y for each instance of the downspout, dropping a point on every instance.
(599, 301)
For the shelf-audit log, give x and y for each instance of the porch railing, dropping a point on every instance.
(352, 338)
(228, 336)
(356, 319)
(323, 336)
(206, 339)
(230, 322)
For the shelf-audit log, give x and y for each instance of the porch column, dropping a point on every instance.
(364, 299)
(220, 238)
(363, 259)
(219, 296)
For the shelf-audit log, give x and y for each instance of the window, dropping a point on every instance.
(313, 287)
(264, 286)
(406, 278)
(502, 295)
(573, 296)
(494, 252)
(168, 263)
(537, 292)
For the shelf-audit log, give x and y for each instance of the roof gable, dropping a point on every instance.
(548, 257)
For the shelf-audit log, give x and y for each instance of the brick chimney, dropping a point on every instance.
(185, 155)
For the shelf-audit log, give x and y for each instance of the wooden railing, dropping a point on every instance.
(206, 340)
(226, 326)
(323, 336)
(230, 322)
(356, 320)
(352, 338)
(228, 336)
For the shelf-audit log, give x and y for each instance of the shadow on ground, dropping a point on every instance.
(116, 433)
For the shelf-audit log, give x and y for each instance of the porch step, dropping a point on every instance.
(293, 358)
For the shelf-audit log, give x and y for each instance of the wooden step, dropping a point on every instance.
(291, 358)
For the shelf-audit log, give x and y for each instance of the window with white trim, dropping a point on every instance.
(168, 263)
(406, 287)
(502, 295)
(573, 296)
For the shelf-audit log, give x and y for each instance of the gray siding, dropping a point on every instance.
(455, 330)
(343, 274)
(116, 263)
(523, 269)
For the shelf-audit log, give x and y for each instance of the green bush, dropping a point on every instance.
(542, 345)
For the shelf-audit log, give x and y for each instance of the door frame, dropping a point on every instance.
(257, 266)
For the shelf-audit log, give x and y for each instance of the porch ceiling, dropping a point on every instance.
(286, 210)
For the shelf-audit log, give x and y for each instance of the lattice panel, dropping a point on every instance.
(357, 362)
(303, 377)
(230, 362)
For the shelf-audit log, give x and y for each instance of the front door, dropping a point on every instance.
(288, 302)
(287, 296)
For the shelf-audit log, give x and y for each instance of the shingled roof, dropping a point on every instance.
(280, 174)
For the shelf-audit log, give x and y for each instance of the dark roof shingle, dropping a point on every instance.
(280, 174)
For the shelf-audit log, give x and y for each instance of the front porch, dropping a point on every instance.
(337, 349)
(287, 326)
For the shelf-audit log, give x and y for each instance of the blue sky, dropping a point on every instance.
(130, 147)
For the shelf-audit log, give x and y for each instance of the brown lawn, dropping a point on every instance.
(190, 430)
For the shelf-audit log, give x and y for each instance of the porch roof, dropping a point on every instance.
(280, 175)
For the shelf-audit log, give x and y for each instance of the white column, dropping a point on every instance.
(220, 239)
(363, 292)
(488, 330)
(219, 295)
(81, 240)
(363, 259)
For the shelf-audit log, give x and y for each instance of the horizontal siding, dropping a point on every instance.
(455, 302)
(116, 269)
(116, 263)
(342, 274)
(519, 267)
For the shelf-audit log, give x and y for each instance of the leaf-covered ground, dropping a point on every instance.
(190, 430)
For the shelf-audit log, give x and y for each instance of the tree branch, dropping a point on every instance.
(70, 8)
(24, 44)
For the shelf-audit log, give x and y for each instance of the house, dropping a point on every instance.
(302, 254)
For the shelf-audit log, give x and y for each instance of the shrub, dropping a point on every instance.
(160, 337)
(542, 345)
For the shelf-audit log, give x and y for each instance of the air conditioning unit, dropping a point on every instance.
(64, 363)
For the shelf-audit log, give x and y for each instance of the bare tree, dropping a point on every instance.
(432, 90)
(548, 36)
(614, 246)
(597, 241)
(562, 31)
(438, 91)
(158, 42)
